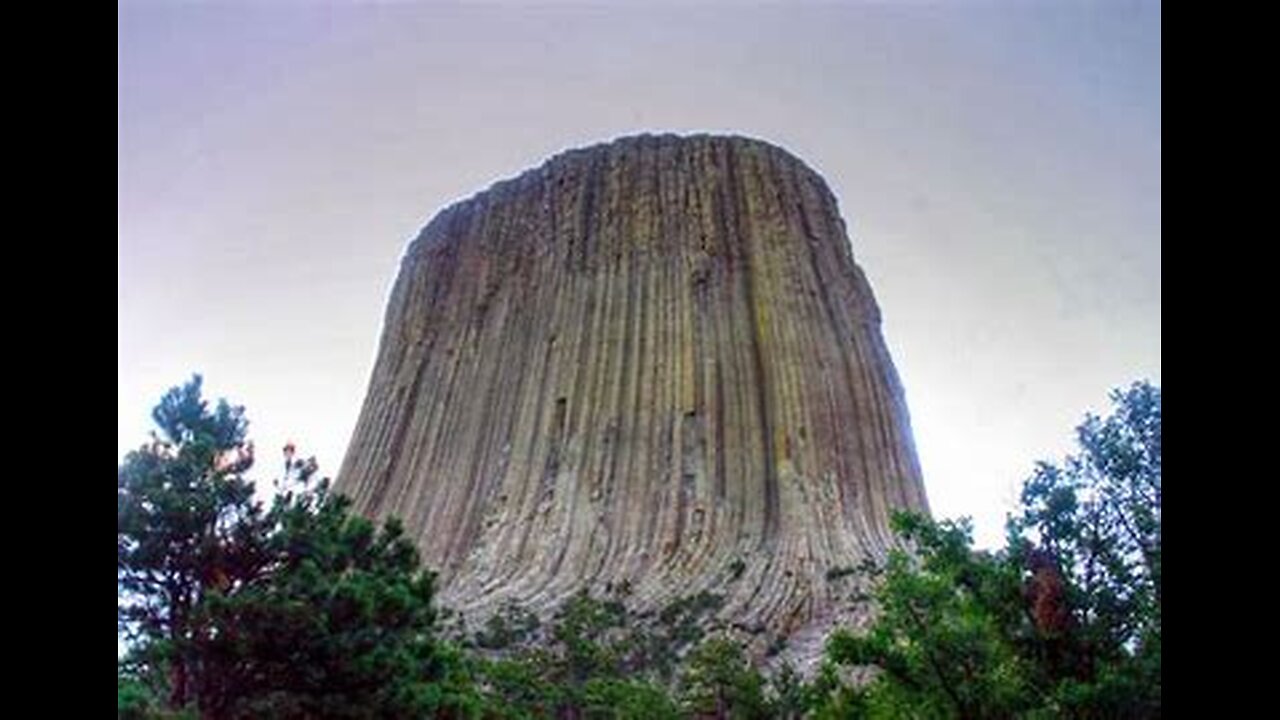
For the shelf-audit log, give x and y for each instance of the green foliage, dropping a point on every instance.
(938, 638)
(517, 688)
(680, 625)
(790, 696)
(718, 681)
(1064, 621)
(338, 623)
(134, 700)
(627, 699)
(587, 641)
(1095, 524)
(186, 524)
(593, 658)
(513, 625)
(828, 697)
(302, 610)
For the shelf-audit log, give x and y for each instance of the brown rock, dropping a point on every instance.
(651, 362)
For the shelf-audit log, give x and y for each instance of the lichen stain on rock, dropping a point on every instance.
(651, 362)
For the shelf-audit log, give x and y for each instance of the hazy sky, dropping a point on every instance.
(998, 165)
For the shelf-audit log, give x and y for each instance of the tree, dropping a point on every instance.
(338, 623)
(594, 658)
(1090, 535)
(944, 637)
(302, 610)
(186, 524)
(1064, 620)
(719, 682)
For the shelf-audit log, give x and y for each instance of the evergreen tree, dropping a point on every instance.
(303, 610)
(1065, 620)
(720, 683)
(186, 526)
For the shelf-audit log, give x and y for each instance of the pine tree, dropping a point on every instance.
(186, 526)
(236, 611)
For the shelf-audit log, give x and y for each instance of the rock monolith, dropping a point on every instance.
(651, 364)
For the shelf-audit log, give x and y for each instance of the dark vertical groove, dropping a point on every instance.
(721, 479)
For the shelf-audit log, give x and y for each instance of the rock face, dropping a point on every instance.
(650, 364)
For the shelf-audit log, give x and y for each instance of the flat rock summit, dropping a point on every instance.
(649, 365)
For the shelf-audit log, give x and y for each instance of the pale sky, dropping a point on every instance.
(997, 163)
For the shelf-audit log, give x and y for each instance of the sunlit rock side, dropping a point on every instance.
(650, 364)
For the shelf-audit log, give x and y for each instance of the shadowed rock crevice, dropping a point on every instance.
(649, 364)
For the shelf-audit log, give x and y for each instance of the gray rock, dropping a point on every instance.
(651, 363)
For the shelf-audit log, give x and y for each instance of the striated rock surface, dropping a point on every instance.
(650, 364)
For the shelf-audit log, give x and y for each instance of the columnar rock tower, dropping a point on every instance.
(649, 364)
